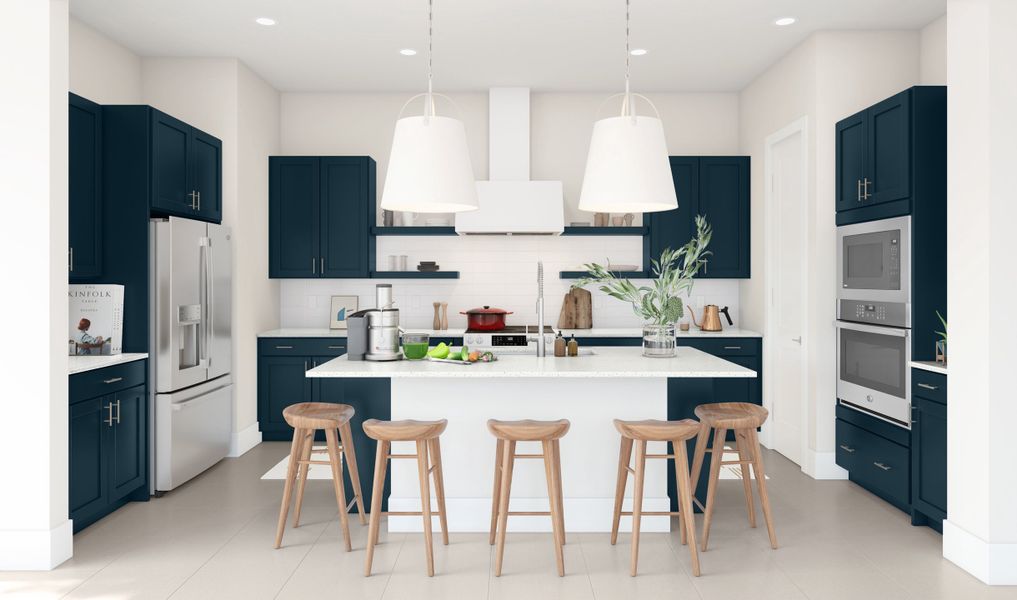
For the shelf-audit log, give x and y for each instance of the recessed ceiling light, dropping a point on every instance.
(638, 51)
(264, 21)
(785, 21)
(408, 52)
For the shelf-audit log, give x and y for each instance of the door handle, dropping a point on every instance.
(199, 200)
(192, 196)
(928, 387)
(118, 412)
(864, 197)
(732, 347)
(305, 366)
(882, 466)
(284, 347)
(859, 189)
(71, 259)
(847, 449)
(314, 265)
(336, 347)
(109, 414)
(797, 340)
(112, 380)
(322, 269)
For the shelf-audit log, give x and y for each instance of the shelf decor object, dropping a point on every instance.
(429, 169)
(342, 308)
(627, 168)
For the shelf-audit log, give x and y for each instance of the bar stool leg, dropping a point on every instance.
(291, 472)
(745, 456)
(496, 494)
(699, 455)
(508, 458)
(346, 436)
(686, 516)
(439, 487)
(305, 454)
(425, 503)
(556, 446)
(380, 464)
(764, 498)
(624, 456)
(335, 461)
(716, 457)
(552, 501)
(637, 503)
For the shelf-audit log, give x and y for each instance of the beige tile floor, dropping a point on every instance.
(212, 538)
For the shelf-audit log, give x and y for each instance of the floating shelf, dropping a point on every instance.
(413, 230)
(606, 231)
(414, 275)
(622, 274)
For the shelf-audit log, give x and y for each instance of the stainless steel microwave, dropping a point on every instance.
(874, 272)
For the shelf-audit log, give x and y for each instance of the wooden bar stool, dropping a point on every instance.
(425, 434)
(306, 418)
(651, 430)
(743, 418)
(508, 433)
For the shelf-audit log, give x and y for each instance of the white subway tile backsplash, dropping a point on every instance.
(494, 270)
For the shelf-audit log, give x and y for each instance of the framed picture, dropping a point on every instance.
(342, 307)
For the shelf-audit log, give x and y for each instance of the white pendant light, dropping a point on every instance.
(429, 169)
(627, 169)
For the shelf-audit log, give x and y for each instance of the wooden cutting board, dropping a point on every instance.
(576, 310)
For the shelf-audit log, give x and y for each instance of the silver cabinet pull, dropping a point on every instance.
(859, 182)
(847, 449)
(284, 347)
(199, 200)
(928, 387)
(314, 265)
(732, 347)
(882, 466)
(109, 414)
(193, 195)
(118, 412)
(305, 365)
(336, 347)
(322, 269)
(866, 195)
(71, 259)
(112, 380)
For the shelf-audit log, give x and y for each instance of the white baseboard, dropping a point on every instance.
(822, 465)
(36, 549)
(995, 564)
(582, 515)
(242, 441)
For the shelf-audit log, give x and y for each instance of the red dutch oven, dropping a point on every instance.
(485, 319)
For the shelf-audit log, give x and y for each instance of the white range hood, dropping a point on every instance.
(509, 202)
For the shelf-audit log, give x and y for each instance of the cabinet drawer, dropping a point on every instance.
(92, 384)
(330, 346)
(723, 346)
(928, 385)
(875, 463)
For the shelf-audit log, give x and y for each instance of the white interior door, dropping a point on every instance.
(787, 195)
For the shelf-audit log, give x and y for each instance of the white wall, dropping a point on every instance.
(980, 533)
(35, 532)
(496, 271)
(830, 76)
(102, 70)
(933, 57)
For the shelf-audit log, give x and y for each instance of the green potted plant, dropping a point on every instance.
(660, 304)
(941, 342)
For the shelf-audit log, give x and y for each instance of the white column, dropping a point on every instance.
(980, 533)
(35, 532)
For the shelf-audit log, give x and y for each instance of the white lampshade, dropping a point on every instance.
(627, 169)
(429, 170)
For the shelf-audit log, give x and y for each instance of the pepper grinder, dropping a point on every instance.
(436, 323)
(559, 345)
(444, 315)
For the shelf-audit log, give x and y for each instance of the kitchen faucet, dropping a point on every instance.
(541, 342)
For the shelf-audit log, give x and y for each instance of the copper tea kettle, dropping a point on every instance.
(711, 317)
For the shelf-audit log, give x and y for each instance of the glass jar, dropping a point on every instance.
(415, 345)
(659, 341)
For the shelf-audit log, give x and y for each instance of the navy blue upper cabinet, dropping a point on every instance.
(889, 150)
(851, 135)
(321, 210)
(716, 187)
(186, 170)
(84, 187)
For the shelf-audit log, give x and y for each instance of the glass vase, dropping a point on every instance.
(659, 341)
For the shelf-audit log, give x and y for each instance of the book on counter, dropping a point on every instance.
(96, 319)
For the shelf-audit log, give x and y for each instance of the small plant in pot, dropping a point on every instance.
(660, 304)
(941, 342)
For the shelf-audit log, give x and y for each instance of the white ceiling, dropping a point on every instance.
(549, 45)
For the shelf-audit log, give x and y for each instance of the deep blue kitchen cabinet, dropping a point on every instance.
(321, 210)
(890, 157)
(84, 188)
(716, 187)
(928, 448)
(876, 455)
(186, 170)
(281, 382)
(108, 441)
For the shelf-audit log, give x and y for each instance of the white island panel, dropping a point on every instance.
(589, 452)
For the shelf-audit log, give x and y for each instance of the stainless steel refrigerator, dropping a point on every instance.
(191, 392)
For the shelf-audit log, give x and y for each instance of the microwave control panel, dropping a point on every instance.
(891, 314)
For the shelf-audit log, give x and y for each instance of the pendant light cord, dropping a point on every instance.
(628, 106)
(429, 99)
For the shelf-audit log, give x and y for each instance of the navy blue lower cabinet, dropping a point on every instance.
(108, 441)
(876, 455)
(928, 449)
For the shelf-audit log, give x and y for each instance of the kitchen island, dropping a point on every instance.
(590, 391)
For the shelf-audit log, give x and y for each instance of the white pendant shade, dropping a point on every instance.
(627, 169)
(429, 170)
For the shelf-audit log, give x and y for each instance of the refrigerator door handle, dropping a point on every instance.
(203, 285)
(210, 293)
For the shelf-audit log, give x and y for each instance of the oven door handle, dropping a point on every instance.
(894, 331)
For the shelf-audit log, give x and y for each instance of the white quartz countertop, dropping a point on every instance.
(607, 362)
(602, 332)
(928, 365)
(80, 364)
